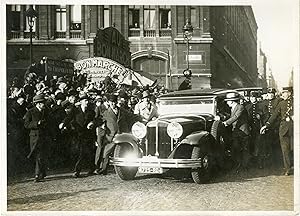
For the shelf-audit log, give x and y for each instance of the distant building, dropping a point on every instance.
(262, 68)
(222, 51)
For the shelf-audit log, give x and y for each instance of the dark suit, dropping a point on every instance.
(86, 138)
(284, 112)
(115, 124)
(240, 135)
(40, 137)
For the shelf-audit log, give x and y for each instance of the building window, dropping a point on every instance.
(155, 66)
(27, 27)
(106, 13)
(134, 17)
(15, 17)
(149, 17)
(165, 17)
(61, 20)
(75, 17)
(193, 17)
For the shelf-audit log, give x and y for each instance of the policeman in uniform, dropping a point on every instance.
(254, 119)
(270, 139)
(284, 111)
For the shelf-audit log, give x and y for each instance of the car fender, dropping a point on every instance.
(127, 138)
(199, 138)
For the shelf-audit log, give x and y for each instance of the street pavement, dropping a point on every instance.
(254, 190)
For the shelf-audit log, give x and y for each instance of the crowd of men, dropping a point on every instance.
(70, 121)
(262, 124)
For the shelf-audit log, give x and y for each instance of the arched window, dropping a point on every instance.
(154, 66)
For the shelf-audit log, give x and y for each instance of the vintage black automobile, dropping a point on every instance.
(187, 134)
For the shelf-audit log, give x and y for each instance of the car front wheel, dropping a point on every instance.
(125, 172)
(202, 174)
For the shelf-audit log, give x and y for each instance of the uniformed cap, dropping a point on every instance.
(271, 90)
(289, 88)
(254, 94)
(39, 98)
(232, 96)
(264, 91)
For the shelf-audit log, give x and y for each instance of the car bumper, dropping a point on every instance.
(157, 162)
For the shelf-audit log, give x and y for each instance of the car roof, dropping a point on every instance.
(249, 89)
(197, 92)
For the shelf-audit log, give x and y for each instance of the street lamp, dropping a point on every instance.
(31, 14)
(187, 35)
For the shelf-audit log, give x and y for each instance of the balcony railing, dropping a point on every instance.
(14, 34)
(149, 33)
(134, 32)
(165, 32)
(60, 34)
(75, 34)
(27, 34)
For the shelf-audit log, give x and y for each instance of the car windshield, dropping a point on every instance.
(186, 105)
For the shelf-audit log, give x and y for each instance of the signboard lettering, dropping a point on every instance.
(98, 68)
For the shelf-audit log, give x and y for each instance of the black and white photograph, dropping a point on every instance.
(150, 107)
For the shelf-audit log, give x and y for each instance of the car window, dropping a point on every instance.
(189, 106)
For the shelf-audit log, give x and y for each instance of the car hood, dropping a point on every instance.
(181, 118)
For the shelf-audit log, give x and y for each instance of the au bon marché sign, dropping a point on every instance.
(110, 43)
(98, 68)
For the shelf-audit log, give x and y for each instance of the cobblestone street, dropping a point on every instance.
(255, 190)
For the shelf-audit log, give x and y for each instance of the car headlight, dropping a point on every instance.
(139, 130)
(174, 130)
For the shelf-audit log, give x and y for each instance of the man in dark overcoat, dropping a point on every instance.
(240, 131)
(284, 112)
(38, 121)
(84, 122)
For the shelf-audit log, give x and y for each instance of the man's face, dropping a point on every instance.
(84, 102)
(146, 99)
(285, 95)
(21, 101)
(72, 99)
(41, 105)
(112, 104)
(271, 96)
(253, 99)
(230, 103)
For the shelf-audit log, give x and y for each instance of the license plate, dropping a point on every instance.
(150, 170)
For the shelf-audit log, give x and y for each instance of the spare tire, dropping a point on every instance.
(217, 130)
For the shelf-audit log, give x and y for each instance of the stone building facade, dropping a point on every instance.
(222, 50)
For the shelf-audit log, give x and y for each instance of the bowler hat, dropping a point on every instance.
(60, 96)
(112, 98)
(39, 98)
(232, 96)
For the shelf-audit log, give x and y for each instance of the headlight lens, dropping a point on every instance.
(139, 130)
(174, 130)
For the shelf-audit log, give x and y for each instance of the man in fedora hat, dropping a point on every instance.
(84, 122)
(116, 120)
(240, 131)
(38, 121)
(146, 109)
(284, 111)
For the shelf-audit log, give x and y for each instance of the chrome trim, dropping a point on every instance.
(156, 139)
(161, 163)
